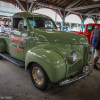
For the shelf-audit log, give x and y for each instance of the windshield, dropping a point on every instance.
(41, 22)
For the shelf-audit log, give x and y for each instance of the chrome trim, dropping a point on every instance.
(86, 71)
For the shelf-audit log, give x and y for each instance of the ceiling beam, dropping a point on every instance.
(92, 11)
(47, 5)
(55, 2)
(76, 12)
(60, 3)
(28, 1)
(65, 3)
(21, 5)
(83, 7)
(60, 14)
(34, 7)
(93, 14)
(73, 3)
(50, 1)
(30, 9)
(80, 3)
(67, 14)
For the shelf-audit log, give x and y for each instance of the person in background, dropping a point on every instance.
(98, 54)
(2, 28)
(94, 36)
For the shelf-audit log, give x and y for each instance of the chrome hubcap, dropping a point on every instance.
(38, 75)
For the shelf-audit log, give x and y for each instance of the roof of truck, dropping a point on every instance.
(27, 14)
(92, 24)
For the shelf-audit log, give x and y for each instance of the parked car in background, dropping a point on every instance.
(87, 31)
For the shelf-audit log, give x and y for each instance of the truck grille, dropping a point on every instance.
(75, 67)
(82, 62)
(85, 55)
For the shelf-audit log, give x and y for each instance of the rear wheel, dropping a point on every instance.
(39, 77)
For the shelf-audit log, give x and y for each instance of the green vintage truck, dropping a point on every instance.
(52, 56)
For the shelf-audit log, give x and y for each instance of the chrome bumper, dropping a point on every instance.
(86, 71)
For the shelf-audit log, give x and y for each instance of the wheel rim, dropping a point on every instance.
(37, 75)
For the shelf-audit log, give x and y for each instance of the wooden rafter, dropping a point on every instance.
(30, 9)
(80, 3)
(60, 14)
(91, 11)
(21, 5)
(65, 3)
(50, 1)
(55, 2)
(73, 3)
(84, 7)
(60, 2)
(46, 5)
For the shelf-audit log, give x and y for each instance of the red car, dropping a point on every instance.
(88, 29)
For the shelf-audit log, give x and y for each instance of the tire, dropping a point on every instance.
(39, 77)
(1, 57)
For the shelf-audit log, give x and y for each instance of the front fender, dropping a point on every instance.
(52, 62)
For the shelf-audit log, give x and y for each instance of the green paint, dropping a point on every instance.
(48, 47)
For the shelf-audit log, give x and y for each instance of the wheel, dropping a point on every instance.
(39, 77)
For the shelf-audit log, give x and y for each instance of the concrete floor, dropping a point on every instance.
(16, 84)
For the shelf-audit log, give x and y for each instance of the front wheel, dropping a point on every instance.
(39, 77)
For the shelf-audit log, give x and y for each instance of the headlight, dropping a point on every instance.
(73, 57)
(91, 49)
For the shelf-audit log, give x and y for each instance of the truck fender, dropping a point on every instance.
(3, 45)
(52, 62)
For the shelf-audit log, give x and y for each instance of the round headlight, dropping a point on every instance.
(73, 57)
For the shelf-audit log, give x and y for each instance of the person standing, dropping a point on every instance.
(2, 28)
(98, 54)
(95, 35)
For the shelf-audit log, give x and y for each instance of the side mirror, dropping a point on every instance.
(20, 27)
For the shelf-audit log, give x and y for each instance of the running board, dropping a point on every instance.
(13, 60)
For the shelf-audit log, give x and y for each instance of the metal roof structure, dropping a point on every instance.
(82, 8)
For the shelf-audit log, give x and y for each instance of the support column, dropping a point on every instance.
(70, 25)
(77, 25)
(55, 18)
(82, 26)
(63, 20)
(27, 6)
(96, 20)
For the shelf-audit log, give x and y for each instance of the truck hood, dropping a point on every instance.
(56, 36)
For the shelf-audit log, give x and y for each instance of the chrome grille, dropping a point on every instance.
(75, 67)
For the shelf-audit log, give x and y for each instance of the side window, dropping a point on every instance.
(32, 23)
(48, 24)
(90, 28)
(17, 21)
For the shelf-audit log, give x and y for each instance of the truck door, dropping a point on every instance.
(88, 32)
(19, 41)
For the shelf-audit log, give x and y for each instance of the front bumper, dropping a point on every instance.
(86, 71)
